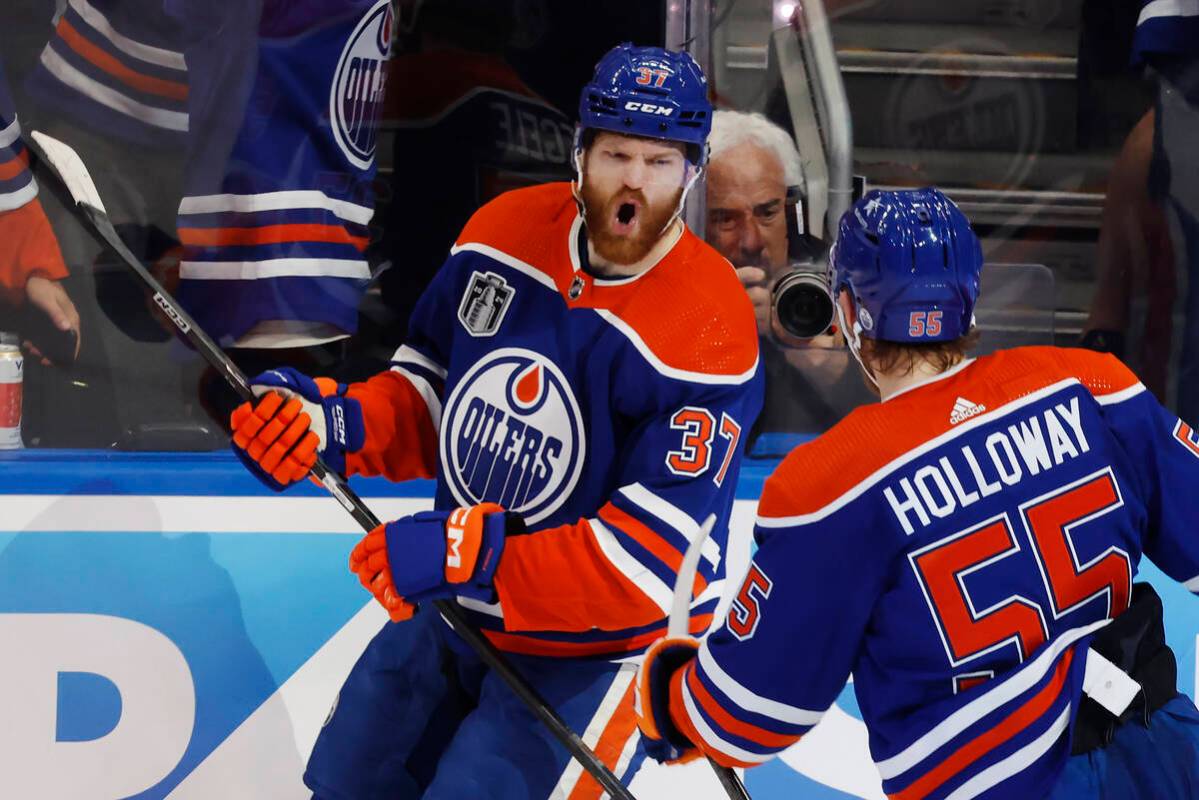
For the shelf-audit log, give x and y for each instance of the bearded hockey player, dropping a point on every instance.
(966, 549)
(577, 378)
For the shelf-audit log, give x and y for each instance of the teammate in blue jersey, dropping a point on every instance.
(577, 377)
(966, 549)
(284, 102)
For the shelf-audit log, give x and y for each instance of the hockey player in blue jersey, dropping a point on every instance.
(966, 549)
(577, 377)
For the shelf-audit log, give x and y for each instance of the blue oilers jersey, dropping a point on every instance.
(117, 67)
(953, 548)
(278, 189)
(608, 413)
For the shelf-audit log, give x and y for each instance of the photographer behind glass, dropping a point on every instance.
(753, 208)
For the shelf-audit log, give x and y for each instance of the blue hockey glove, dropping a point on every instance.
(296, 417)
(660, 671)
(433, 555)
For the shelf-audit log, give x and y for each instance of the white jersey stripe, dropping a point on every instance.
(982, 419)
(595, 729)
(673, 516)
(613, 320)
(626, 755)
(713, 739)
(713, 591)
(159, 117)
(509, 261)
(1123, 394)
(637, 573)
(1168, 8)
(432, 401)
(983, 705)
(275, 201)
(274, 268)
(664, 369)
(14, 200)
(1193, 584)
(139, 50)
(11, 133)
(1017, 762)
(410, 354)
(746, 699)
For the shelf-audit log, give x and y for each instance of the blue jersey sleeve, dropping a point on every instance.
(1163, 451)
(804, 603)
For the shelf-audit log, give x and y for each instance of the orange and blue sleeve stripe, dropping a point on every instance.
(17, 186)
(118, 66)
(729, 722)
(658, 542)
(988, 740)
(613, 572)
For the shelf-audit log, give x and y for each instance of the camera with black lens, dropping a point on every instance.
(801, 300)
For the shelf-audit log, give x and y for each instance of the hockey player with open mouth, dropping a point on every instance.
(966, 549)
(577, 377)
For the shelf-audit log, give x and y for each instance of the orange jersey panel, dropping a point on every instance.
(711, 329)
(30, 248)
(817, 473)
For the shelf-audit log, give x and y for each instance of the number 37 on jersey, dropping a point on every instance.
(698, 431)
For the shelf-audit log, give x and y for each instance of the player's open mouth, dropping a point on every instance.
(626, 218)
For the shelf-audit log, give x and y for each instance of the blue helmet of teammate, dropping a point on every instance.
(649, 91)
(910, 262)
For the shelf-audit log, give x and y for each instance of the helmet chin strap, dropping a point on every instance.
(678, 210)
(853, 337)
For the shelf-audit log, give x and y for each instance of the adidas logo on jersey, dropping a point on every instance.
(963, 410)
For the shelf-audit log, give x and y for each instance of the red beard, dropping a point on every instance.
(600, 215)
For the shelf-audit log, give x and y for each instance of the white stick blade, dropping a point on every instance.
(66, 162)
(681, 607)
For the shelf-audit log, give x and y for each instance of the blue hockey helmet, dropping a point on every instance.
(652, 92)
(910, 262)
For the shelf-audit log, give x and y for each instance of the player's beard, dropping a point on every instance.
(600, 214)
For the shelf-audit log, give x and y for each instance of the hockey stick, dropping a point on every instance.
(68, 168)
(680, 609)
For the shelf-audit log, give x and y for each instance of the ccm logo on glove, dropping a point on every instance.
(433, 555)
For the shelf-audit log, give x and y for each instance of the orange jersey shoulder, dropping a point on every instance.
(531, 225)
(690, 311)
(817, 473)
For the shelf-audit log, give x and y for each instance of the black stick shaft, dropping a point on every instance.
(363, 516)
(729, 781)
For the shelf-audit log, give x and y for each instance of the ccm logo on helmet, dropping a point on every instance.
(648, 108)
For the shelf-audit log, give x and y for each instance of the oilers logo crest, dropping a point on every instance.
(512, 434)
(485, 303)
(358, 84)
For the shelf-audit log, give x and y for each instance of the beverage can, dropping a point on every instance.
(12, 368)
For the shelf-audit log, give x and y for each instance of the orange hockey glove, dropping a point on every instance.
(278, 438)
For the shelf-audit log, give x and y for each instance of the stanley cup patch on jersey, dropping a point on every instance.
(484, 304)
(512, 434)
(356, 98)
